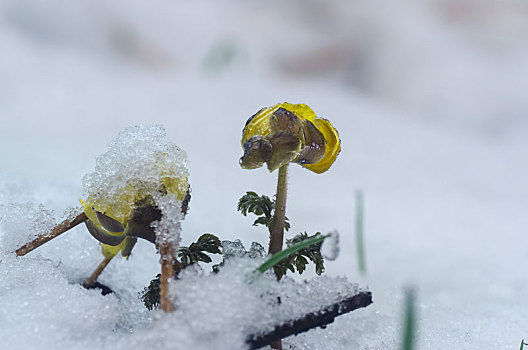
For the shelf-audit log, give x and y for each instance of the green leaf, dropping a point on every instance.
(185, 255)
(261, 221)
(262, 206)
(300, 263)
(286, 223)
(202, 257)
(319, 264)
(195, 252)
(409, 326)
(360, 244)
(302, 241)
(151, 294)
(208, 243)
(253, 203)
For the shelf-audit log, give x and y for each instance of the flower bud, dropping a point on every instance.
(288, 133)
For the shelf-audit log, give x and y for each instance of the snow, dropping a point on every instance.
(330, 246)
(24, 222)
(429, 100)
(224, 309)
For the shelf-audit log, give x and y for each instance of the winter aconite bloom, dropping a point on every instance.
(138, 189)
(119, 233)
(287, 133)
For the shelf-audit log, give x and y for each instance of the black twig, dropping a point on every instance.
(319, 318)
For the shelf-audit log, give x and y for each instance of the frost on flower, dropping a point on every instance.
(138, 188)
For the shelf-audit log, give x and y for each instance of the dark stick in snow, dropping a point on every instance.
(319, 318)
(55, 232)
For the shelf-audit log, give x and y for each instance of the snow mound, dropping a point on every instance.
(221, 310)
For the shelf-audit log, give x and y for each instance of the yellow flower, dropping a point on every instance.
(287, 133)
(118, 226)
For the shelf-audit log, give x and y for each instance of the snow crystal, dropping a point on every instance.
(71, 213)
(23, 222)
(330, 247)
(141, 164)
(233, 249)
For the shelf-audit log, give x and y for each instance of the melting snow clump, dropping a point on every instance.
(170, 222)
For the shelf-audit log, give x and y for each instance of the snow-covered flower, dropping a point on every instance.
(287, 133)
(127, 193)
(119, 232)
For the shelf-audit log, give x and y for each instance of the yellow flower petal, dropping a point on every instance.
(110, 251)
(333, 146)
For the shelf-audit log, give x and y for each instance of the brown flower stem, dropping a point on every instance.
(277, 229)
(167, 271)
(90, 281)
(55, 232)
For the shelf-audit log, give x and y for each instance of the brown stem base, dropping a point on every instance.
(55, 232)
(167, 271)
(90, 281)
(319, 318)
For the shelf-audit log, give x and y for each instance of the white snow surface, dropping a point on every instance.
(429, 98)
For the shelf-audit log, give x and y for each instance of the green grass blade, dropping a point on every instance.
(283, 254)
(522, 345)
(360, 244)
(409, 327)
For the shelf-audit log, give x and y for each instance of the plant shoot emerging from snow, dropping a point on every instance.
(282, 134)
(139, 189)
